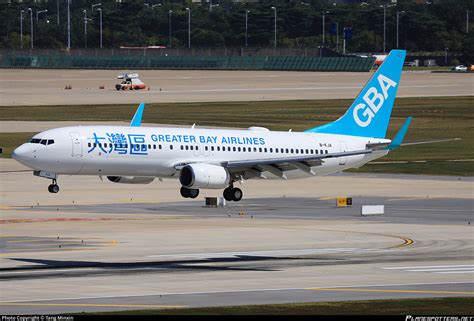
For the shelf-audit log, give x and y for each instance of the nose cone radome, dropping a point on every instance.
(22, 154)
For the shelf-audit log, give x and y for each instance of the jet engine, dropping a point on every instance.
(130, 179)
(204, 176)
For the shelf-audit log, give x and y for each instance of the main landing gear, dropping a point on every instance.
(53, 188)
(232, 193)
(189, 192)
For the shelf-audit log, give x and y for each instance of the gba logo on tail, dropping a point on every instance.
(373, 101)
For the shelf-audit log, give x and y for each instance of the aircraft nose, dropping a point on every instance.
(22, 153)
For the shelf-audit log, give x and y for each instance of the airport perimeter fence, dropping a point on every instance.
(294, 63)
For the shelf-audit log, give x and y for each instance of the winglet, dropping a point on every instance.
(137, 118)
(398, 139)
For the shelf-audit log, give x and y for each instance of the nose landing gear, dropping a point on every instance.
(53, 188)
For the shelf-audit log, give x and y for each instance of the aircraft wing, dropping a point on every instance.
(278, 166)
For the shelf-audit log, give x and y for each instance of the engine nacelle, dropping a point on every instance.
(130, 179)
(204, 176)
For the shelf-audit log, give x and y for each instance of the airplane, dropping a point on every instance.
(218, 158)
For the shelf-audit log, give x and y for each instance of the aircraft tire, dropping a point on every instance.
(228, 196)
(53, 188)
(184, 192)
(237, 194)
(193, 193)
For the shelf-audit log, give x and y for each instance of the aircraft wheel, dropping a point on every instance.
(53, 188)
(237, 194)
(185, 192)
(228, 194)
(193, 193)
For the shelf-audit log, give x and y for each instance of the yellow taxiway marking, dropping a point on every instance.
(388, 291)
(407, 242)
(93, 305)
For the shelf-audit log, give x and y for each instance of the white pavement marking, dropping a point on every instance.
(440, 269)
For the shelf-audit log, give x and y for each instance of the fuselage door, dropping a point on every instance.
(76, 144)
(343, 147)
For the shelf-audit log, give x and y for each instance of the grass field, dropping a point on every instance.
(434, 118)
(434, 306)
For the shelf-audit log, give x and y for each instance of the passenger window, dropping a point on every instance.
(187, 147)
(296, 151)
(255, 149)
(206, 148)
(287, 151)
(191, 147)
(212, 148)
(260, 149)
(265, 150)
(312, 151)
(89, 145)
(292, 151)
(197, 147)
(271, 150)
(327, 151)
(238, 149)
(154, 146)
(234, 149)
(218, 148)
(171, 147)
(243, 149)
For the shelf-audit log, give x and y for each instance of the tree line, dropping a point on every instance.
(421, 27)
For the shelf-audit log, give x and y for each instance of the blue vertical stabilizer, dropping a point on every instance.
(369, 114)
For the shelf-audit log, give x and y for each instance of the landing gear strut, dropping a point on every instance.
(53, 188)
(189, 192)
(233, 194)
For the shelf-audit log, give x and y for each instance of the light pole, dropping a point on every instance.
(275, 27)
(68, 24)
(398, 18)
(100, 23)
(446, 56)
(169, 20)
(95, 5)
(31, 27)
(189, 27)
(85, 27)
(324, 26)
(385, 6)
(337, 36)
(467, 21)
(38, 13)
(246, 27)
(212, 5)
(57, 12)
(21, 28)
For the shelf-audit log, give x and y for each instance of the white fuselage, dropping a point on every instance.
(159, 151)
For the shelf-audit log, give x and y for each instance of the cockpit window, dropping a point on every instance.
(41, 141)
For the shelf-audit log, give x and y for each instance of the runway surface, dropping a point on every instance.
(98, 246)
(46, 87)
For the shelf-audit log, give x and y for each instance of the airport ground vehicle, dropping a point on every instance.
(130, 82)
